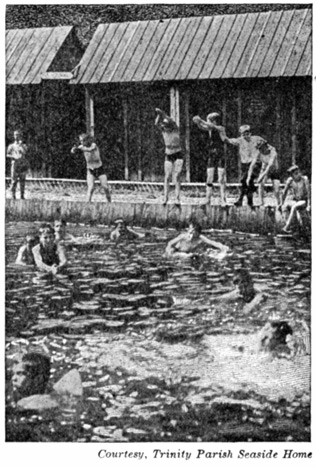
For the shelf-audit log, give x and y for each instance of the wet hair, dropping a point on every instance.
(197, 227)
(274, 334)
(37, 366)
(60, 221)
(88, 139)
(32, 238)
(46, 228)
(119, 221)
(245, 284)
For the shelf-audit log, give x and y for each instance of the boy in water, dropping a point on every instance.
(95, 168)
(174, 156)
(17, 151)
(123, 231)
(216, 157)
(188, 242)
(25, 253)
(300, 187)
(61, 235)
(49, 256)
(30, 374)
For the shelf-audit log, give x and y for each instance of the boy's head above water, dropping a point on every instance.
(30, 374)
(47, 235)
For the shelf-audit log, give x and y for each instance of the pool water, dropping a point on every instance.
(161, 357)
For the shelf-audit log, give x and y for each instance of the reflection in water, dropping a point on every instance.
(160, 356)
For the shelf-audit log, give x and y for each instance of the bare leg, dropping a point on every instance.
(261, 192)
(14, 181)
(104, 183)
(209, 184)
(293, 213)
(90, 183)
(22, 184)
(168, 176)
(222, 185)
(177, 178)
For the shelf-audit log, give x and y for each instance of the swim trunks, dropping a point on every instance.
(97, 172)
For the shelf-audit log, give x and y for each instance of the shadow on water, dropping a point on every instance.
(160, 356)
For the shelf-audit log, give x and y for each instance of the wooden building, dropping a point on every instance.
(39, 99)
(253, 68)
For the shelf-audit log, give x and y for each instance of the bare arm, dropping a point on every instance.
(202, 124)
(62, 257)
(217, 245)
(173, 242)
(136, 234)
(20, 257)
(308, 189)
(252, 165)
(269, 165)
(88, 148)
(39, 262)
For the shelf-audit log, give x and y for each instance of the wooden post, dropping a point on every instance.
(125, 124)
(187, 135)
(239, 124)
(175, 104)
(224, 121)
(89, 112)
(278, 121)
(293, 124)
(139, 145)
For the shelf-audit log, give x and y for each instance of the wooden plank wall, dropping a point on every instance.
(261, 220)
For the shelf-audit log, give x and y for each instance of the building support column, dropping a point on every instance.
(139, 146)
(175, 104)
(89, 112)
(125, 142)
(187, 135)
(293, 124)
(239, 103)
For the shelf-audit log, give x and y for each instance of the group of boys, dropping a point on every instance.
(258, 161)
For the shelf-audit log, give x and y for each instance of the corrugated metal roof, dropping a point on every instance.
(30, 52)
(249, 45)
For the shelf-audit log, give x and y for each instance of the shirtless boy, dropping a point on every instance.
(300, 187)
(95, 168)
(216, 156)
(187, 243)
(49, 256)
(173, 153)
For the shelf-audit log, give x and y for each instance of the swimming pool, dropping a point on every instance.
(160, 357)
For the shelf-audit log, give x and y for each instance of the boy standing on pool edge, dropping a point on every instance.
(95, 167)
(216, 156)
(173, 155)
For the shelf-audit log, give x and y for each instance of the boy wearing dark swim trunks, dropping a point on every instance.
(173, 153)
(95, 169)
(216, 156)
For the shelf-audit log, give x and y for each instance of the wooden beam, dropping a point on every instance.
(278, 120)
(187, 135)
(224, 121)
(239, 115)
(89, 112)
(125, 142)
(175, 104)
(139, 145)
(293, 124)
